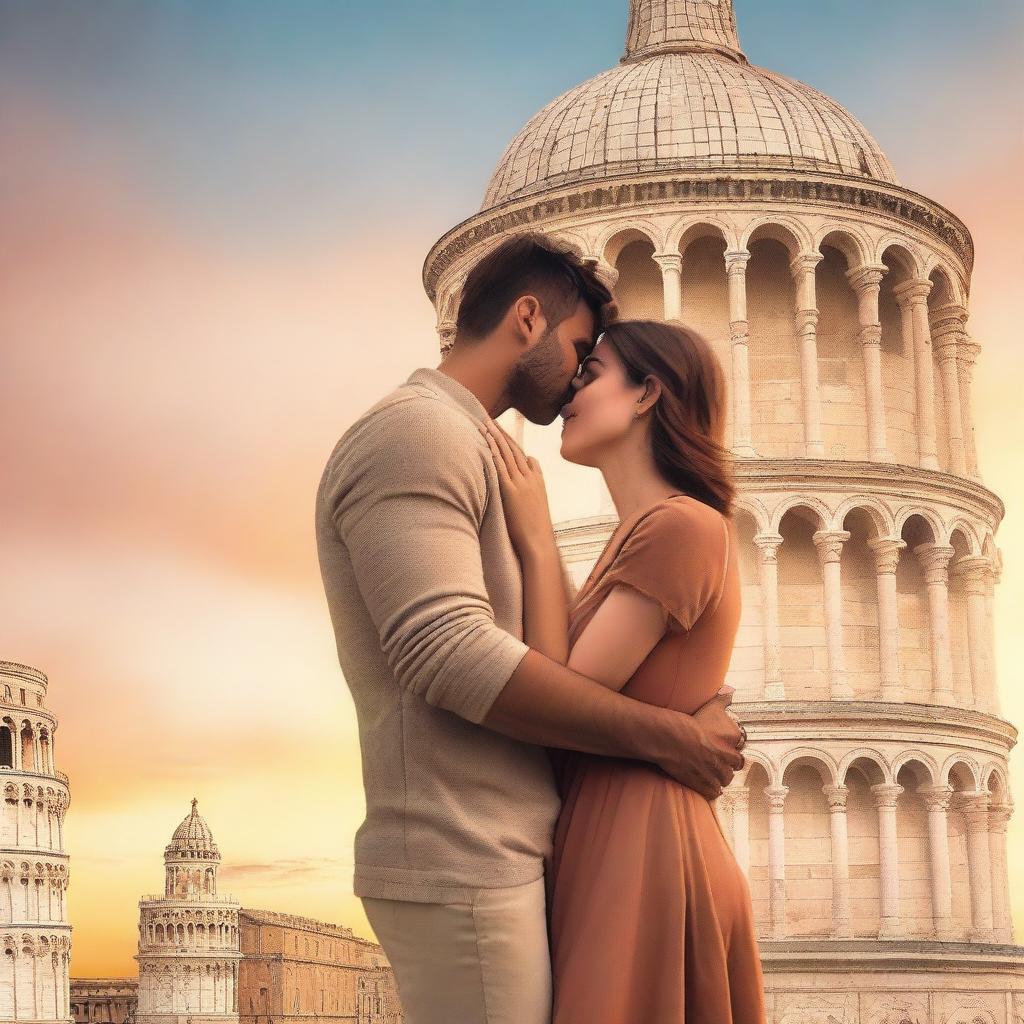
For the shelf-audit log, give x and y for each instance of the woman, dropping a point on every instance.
(650, 914)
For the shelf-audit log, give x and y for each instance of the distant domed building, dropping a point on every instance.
(35, 936)
(871, 819)
(188, 937)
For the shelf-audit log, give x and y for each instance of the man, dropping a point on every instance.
(454, 710)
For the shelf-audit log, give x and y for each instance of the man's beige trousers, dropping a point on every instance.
(480, 962)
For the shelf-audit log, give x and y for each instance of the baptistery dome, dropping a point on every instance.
(684, 97)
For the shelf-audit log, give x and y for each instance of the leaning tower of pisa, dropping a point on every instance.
(34, 932)
(188, 937)
(871, 818)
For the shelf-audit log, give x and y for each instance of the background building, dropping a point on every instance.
(205, 960)
(34, 932)
(294, 968)
(104, 1000)
(871, 819)
(188, 937)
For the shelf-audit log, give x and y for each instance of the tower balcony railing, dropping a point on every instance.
(190, 897)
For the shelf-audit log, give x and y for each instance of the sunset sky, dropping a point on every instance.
(212, 224)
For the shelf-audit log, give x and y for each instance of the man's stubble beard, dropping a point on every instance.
(535, 385)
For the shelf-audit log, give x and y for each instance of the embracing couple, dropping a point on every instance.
(540, 842)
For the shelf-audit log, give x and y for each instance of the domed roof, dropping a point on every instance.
(684, 98)
(193, 835)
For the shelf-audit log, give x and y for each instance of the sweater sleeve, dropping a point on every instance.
(676, 555)
(407, 499)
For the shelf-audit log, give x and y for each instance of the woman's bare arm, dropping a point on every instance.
(545, 600)
(620, 634)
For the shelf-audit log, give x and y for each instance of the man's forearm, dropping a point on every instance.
(550, 705)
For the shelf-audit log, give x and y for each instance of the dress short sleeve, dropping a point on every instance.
(676, 553)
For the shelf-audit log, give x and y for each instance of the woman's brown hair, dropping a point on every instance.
(688, 420)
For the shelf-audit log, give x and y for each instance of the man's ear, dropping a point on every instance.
(528, 319)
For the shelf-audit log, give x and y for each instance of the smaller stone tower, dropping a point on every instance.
(188, 937)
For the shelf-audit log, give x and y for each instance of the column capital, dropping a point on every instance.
(967, 351)
(999, 815)
(769, 544)
(867, 276)
(974, 807)
(934, 559)
(805, 262)
(736, 261)
(886, 794)
(974, 570)
(668, 260)
(830, 544)
(776, 796)
(836, 796)
(739, 796)
(887, 553)
(936, 798)
(914, 291)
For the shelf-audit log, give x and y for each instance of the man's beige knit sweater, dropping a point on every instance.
(425, 594)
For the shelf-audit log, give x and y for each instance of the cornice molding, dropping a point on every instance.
(628, 191)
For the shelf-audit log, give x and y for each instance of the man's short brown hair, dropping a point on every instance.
(530, 264)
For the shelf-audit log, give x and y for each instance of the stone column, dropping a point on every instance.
(979, 867)
(935, 560)
(866, 282)
(887, 556)
(830, 546)
(842, 922)
(936, 799)
(995, 570)
(741, 827)
(947, 327)
(742, 432)
(803, 270)
(777, 859)
(912, 297)
(671, 264)
(998, 817)
(967, 355)
(973, 570)
(768, 543)
(885, 794)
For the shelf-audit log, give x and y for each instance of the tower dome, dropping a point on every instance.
(684, 97)
(193, 837)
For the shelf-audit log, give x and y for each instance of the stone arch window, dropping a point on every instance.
(775, 372)
(6, 748)
(8, 698)
(638, 291)
(28, 748)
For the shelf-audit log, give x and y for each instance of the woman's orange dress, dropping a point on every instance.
(650, 913)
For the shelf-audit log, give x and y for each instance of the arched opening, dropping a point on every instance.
(775, 382)
(860, 607)
(746, 665)
(757, 825)
(802, 641)
(808, 851)
(960, 639)
(899, 394)
(638, 291)
(962, 780)
(844, 421)
(6, 747)
(863, 844)
(915, 625)
(915, 900)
